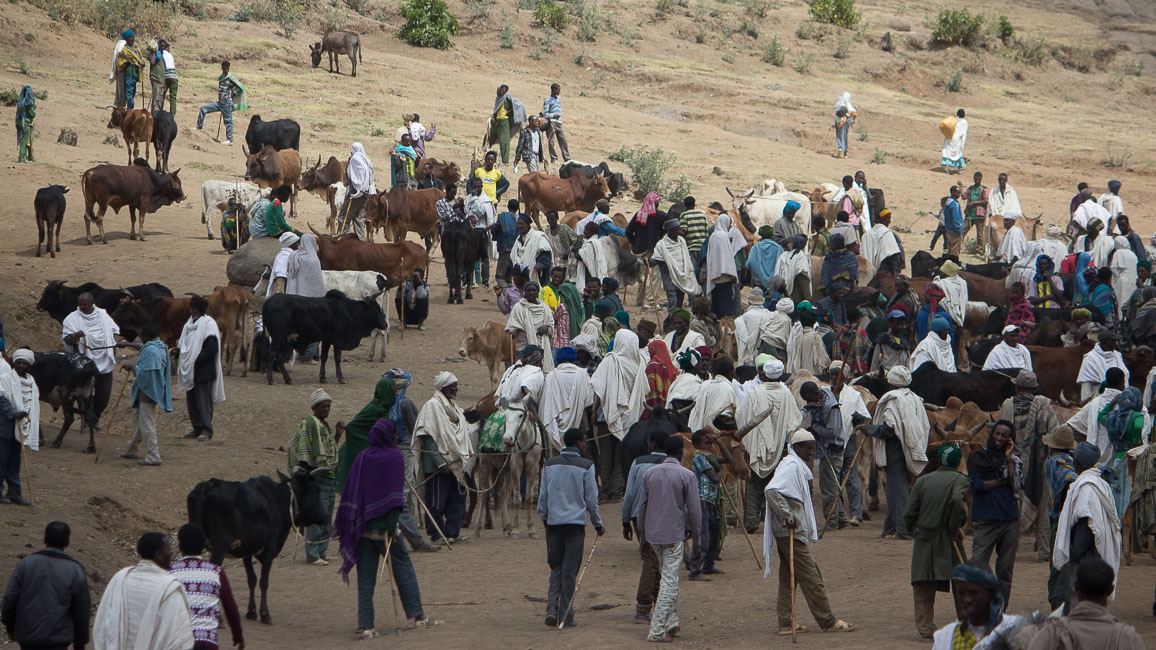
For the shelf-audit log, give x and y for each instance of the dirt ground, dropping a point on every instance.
(645, 81)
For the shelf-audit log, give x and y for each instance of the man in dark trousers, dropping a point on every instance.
(46, 604)
(566, 493)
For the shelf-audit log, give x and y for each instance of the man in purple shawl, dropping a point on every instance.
(366, 527)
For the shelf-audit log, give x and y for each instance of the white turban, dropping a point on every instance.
(24, 354)
(445, 378)
(836, 366)
(802, 435)
(773, 369)
(1122, 242)
(1008, 329)
(288, 239)
(899, 376)
(318, 397)
(785, 305)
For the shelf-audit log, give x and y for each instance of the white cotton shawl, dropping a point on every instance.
(692, 340)
(902, 410)
(360, 171)
(1086, 421)
(1101, 249)
(747, 332)
(566, 395)
(1089, 210)
(676, 256)
(955, 296)
(24, 395)
(1090, 496)
(953, 146)
(791, 264)
(1006, 202)
(1024, 269)
(193, 336)
(714, 397)
(526, 248)
(280, 269)
(1013, 245)
(775, 329)
(878, 244)
(1097, 361)
(933, 349)
(304, 277)
(851, 403)
(807, 352)
(765, 442)
(140, 594)
(519, 382)
(792, 479)
(1124, 275)
(595, 260)
(620, 383)
(685, 386)
(720, 254)
(528, 317)
(1004, 356)
(441, 420)
(844, 101)
(99, 331)
(1111, 203)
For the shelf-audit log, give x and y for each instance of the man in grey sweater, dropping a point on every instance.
(47, 604)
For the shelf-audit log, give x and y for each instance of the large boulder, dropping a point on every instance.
(246, 265)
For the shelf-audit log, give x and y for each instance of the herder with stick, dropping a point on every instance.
(19, 422)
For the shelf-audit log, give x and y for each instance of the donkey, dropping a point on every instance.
(336, 44)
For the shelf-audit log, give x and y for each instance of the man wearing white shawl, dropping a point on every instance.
(793, 264)
(531, 248)
(199, 373)
(901, 425)
(1014, 244)
(565, 397)
(775, 330)
(593, 261)
(1009, 353)
(688, 339)
(790, 513)
(144, 607)
(1088, 522)
(805, 351)
(748, 327)
(359, 181)
(443, 437)
(935, 347)
(91, 331)
(1094, 366)
(19, 421)
(279, 272)
(880, 243)
(1111, 201)
(1123, 264)
(1003, 200)
(1090, 211)
(765, 442)
(952, 151)
(685, 388)
(672, 257)
(531, 322)
(1096, 244)
(714, 397)
(620, 387)
(721, 272)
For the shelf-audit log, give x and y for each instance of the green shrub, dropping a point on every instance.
(526, 5)
(803, 63)
(1117, 159)
(10, 97)
(729, 57)
(774, 52)
(360, 6)
(334, 20)
(1031, 52)
(759, 8)
(664, 8)
(648, 170)
(954, 81)
(749, 27)
(862, 135)
(428, 23)
(551, 14)
(1005, 31)
(806, 30)
(193, 8)
(957, 27)
(286, 14)
(580, 58)
(835, 12)
(588, 23)
(507, 35)
(1133, 68)
(479, 10)
(843, 49)
(878, 157)
(700, 35)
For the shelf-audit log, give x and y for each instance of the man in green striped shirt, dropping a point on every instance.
(694, 228)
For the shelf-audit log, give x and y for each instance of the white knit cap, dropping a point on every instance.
(773, 369)
(785, 305)
(288, 238)
(899, 376)
(802, 435)
(318, 397)
(445, 378)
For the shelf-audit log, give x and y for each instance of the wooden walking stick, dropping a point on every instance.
(392, 581)
(791, 559)
(27, 491)
(577, 583)
(220, 119)
(739, 517)
(842, 490)
(429, 514)
(112, 418)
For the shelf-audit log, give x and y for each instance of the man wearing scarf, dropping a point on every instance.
(785, 228)
(531, 249)
(1097, 362)
(145, 606)
(955, 293)
(505, 121)
(1128, 424)
(901, 425)
(1088, 526)
(747, 327)
(620, 386)
(1061, 472)
(1014, 243)
(704, 322)
(531, 147)
(775, 329)
(695, 366)
(1009, 354)
(199, 373)
(561, 237)
(359, 181)
(806, 350)
(443, 435)
(794, 268)
(25, 113)
(230, 97)
(566, 396)
(982, 622)
(366, 528)
(1032, 417)
(882, 248)
(115, 74)
(892, 349)
(681, 337)
(1003, 200)
(722, 273)
(571, 298)
(151, 387)
(764, 257)
(1047, 288)
(789, 513)
(19, 421)
(935, 348)
(675, 266)
(839, 265)
(1124, 226)
(1096, 244)
(765, 442)
(716, 396)
(92, 332)
(314, 447)
(935, 514)
(128, 62)
(531, 322)
(647, 226)
(996, 475)
(403, 164)
(1123, 263)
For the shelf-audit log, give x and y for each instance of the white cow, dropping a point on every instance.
(764, 204)
(215, 198)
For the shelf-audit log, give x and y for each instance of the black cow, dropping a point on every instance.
(993, 270)
(60, 301)
(614, 180)
(987, 388)
(334, 321)
(49, 205)
(462, 245)
(279, 134)
(252, 519)
(634, 442)
(65, 381)
(164, 132)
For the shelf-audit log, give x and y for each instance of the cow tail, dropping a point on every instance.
(360, 54)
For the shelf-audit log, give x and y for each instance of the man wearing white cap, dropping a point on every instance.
(314, 447)
(1008, 354)
(790, 513)
(1014, 244)
(442, 434)
(775, 330)
(91, 331)
(901, 425)
(279, 274)
(19, 421)
(766, 440)
(748, 326)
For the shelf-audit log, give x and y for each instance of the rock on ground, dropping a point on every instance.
(112, 139)
(246, 265)
(67, 136)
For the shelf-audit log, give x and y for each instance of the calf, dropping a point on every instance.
(252, 519)
(164, 132)
(215, 197)
(65, 381)
(334, 321)
(49, 205)
(489, 345)
(136, 126)
(279, 134)
(325, 183)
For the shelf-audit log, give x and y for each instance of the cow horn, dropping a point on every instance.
(372, 297)
(245, 150)
(1063, 400)
(127, 292)
(977, 428)
(319, 470)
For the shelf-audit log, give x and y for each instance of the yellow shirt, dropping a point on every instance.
(549, 296)
(489, 182)
(502, 112)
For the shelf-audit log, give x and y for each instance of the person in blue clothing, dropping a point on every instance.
(764, 257)
(953, 223)
(504, 231)
(996, 474)
(929, 311)
(601, 217)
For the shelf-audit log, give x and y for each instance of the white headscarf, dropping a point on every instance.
(720, 253)
(305, 277)
(360, 171)
(844, 101)
(620, 383)
(23, 394)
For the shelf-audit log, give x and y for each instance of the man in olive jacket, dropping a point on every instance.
(47, 604)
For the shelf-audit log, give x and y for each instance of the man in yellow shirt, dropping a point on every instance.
(506, 120)
(493, 182)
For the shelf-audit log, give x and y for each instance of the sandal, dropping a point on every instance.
(799, 629)
(841, 626)
(429, 621)
(665, 638)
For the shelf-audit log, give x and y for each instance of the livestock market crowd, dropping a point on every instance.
(793, 335)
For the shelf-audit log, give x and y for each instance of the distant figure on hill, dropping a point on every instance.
(505, 121)
(845, 116)
(552, 112)
(953, 147)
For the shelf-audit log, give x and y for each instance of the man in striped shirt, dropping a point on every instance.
(694, 228)
(552, 111)
(208, 590)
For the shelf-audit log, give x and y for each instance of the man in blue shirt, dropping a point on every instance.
(567, 493)
(996, 473)
(552, 111)
(953, 223)
(504, 232)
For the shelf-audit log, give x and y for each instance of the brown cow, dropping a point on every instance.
(348, 253)
(540, 192)
(401, 211)
(489, 345)
(1058, 369)
(447, 171)
(271, 168)
(984, 289)
(137, 128)
(137, 186)
(320, 181)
